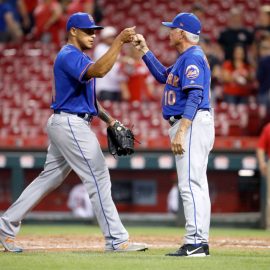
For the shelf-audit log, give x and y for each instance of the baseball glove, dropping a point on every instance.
(120, 140)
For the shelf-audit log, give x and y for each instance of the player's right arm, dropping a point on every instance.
(104, 64)
(261, 160)
(159, 71)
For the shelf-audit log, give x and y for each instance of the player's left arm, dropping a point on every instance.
(192, 85)
(159, 71)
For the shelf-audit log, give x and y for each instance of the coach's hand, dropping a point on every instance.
(127, 34)
(178, 143)
(140, 43)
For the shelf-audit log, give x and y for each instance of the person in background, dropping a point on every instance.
(108, 87)
(198, 10)
(263, 149)
(263, 156)
(237, 77)
(235, 33)
(214, 56)
(262, 29)
(173, 199)
(20, 13)
(10, 29)
(263, 78)
(79, 202)
(47, 15)
(86, 6)
(136, 80)
(98, 11)
(30, 6)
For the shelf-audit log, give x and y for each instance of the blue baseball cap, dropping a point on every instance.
(83, 21)
(187, 22)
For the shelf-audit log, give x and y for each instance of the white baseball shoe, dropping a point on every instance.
(128, 247)
(9, 243)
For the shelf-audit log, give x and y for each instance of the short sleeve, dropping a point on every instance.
(76, 65)
(193, 73)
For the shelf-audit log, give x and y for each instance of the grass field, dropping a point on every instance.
(230, 249)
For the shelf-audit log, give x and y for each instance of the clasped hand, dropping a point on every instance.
(127, 35)
(139, 43)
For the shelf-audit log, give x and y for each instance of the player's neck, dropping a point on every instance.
(184, 46)
(74, 43)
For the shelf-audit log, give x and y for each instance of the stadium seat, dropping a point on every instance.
(26, 76)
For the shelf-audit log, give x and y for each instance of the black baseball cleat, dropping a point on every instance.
(206, 249)
(189, 250)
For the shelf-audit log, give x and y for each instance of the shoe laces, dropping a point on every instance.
(9, 240)
(123, 246)
(182, 247)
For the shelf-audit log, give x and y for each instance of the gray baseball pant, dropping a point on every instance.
(192, 178)
(73, 146)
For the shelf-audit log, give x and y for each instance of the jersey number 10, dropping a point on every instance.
(169, 98)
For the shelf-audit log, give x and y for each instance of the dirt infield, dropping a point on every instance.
(96, 243)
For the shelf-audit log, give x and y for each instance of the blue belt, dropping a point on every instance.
(86, 116)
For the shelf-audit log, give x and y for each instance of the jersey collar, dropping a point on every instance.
(195, 47)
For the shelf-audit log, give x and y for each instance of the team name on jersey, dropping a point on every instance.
(172, 80)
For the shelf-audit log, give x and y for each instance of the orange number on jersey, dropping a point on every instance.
(170, 98)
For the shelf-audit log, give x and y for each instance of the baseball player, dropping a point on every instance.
(263, 149)
(73, 145)
(186, 105)
(79, 202)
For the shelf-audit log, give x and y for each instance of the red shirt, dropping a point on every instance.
(264, 140)
(42, 14)
(30, 5)
(77, 6)
(136, 75)
(44, 11)
(236, 87)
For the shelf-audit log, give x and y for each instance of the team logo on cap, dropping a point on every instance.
(192, 72)
(90, 18)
